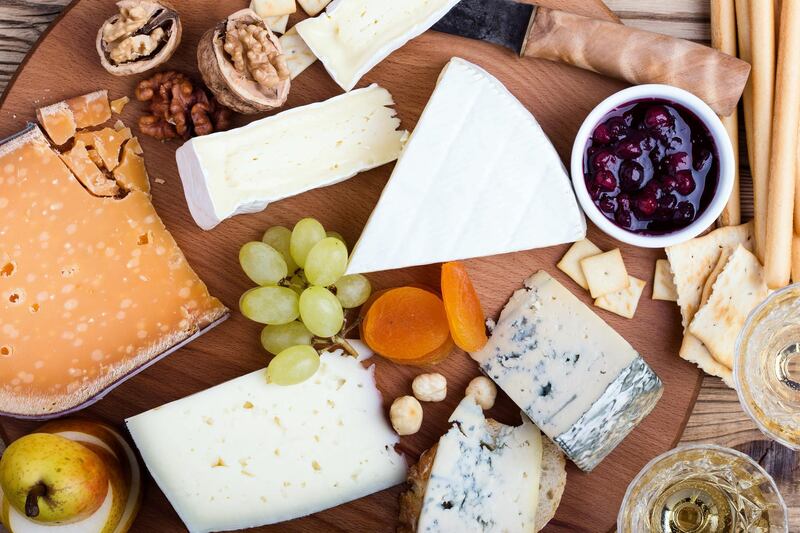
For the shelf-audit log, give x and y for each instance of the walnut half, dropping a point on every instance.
(243, 64)
(142, 36)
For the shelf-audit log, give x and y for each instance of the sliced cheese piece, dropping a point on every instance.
(485, 477)
(298, 55)
(570, 264)
(243, 170)
(353, 36)
(107, 142)
(478, 177)
(313, 7)
(247, 453)
(623, 302)
(98, 288)
(85, 169)
(570, 372)
(131, 173)
(61, 120)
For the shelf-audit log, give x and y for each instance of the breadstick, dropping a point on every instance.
(743, 31)
(723, 38)
(796, 259)
(762, 47)
(778, 252)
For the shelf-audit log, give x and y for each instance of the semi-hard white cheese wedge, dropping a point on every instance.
(478, 177)
(246, 453)
(243, 170)
(485, 476)
(353, 36)
(576, 378)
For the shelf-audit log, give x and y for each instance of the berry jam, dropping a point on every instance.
(651, 167)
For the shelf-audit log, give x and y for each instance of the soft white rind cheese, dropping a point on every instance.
(481, 480)
(478, 177)
(246, 453)
(353, 36)
(243, 170)
(576, 378)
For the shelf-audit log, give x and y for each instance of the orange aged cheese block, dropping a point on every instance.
(61, 120)
(91, 289)
(81, 164)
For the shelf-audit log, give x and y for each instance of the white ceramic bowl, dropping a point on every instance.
(726, 162)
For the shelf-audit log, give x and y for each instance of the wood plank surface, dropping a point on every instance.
(717, 416)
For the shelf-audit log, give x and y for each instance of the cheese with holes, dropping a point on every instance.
(478, 177)
(485, 476)
(60, 121)
(575, 377)
(352, 36)
(244, 170)
(92, 289)
(247, 453)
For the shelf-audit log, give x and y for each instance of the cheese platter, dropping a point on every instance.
(560, 97)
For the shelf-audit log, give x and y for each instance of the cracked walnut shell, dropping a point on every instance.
(142, 36)
(242, 63)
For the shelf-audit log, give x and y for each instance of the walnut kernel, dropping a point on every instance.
(255, 56)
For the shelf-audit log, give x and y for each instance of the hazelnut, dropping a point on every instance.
(483, 390)
(430, 387)
(406, 415)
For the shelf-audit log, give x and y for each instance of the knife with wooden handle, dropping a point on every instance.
(630, 54)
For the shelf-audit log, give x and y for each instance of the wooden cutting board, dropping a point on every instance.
(65, 64)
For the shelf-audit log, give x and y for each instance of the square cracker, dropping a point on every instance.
(663, 284)
(570, 264)
(298, 55)
(273, 8)
(692, 262)
(605, 273)
(277, 24)
(313, 7)
(739, 288)
(693, 350)
(623, 302)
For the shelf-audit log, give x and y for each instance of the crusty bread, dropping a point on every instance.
(551, 484)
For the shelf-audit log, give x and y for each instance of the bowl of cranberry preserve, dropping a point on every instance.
(653, 166)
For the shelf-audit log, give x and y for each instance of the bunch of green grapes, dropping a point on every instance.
(302, 294)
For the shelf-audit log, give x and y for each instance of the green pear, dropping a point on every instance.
(51, 479)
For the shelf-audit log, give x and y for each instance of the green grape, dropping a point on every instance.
(270, 305)
(305, 235)
(336, 235)
(321, 312)
(278, 237)
(262, 263)
(293, 365)
(276, 339)
(353, 290)
(326, 262)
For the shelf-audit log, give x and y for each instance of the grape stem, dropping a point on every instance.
(340, 340)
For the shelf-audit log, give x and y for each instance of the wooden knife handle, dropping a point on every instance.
(637, 56)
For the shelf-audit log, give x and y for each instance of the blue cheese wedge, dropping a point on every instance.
(478, 177)
(244, 170)
(353, 36)
(246, 453)
(485, 477)
(576, 378)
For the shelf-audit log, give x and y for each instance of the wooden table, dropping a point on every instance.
(717, 417)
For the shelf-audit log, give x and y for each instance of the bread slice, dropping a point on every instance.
(551, 484)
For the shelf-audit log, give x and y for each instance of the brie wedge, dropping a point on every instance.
(485, 477)
(353, 36)
(243, 170)
(478, 177)
(248, 453)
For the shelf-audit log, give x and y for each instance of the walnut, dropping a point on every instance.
(178, 108)
(243, 64)
(143, 35)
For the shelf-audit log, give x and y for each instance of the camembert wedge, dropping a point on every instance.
(478, 177)
(247, 453)
(244, 170)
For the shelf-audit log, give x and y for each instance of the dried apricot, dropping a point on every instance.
(407, 325)
(463, 308)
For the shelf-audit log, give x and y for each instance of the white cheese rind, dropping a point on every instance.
(570, 372)
(243, 170)
(246, 453)
(478, 177)
(482, 480)
(353, 36)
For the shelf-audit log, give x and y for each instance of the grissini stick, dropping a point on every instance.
(784, 150)
(630, 54)
(762, 46)
(743, 30)
(796, 259)
(723, 38)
